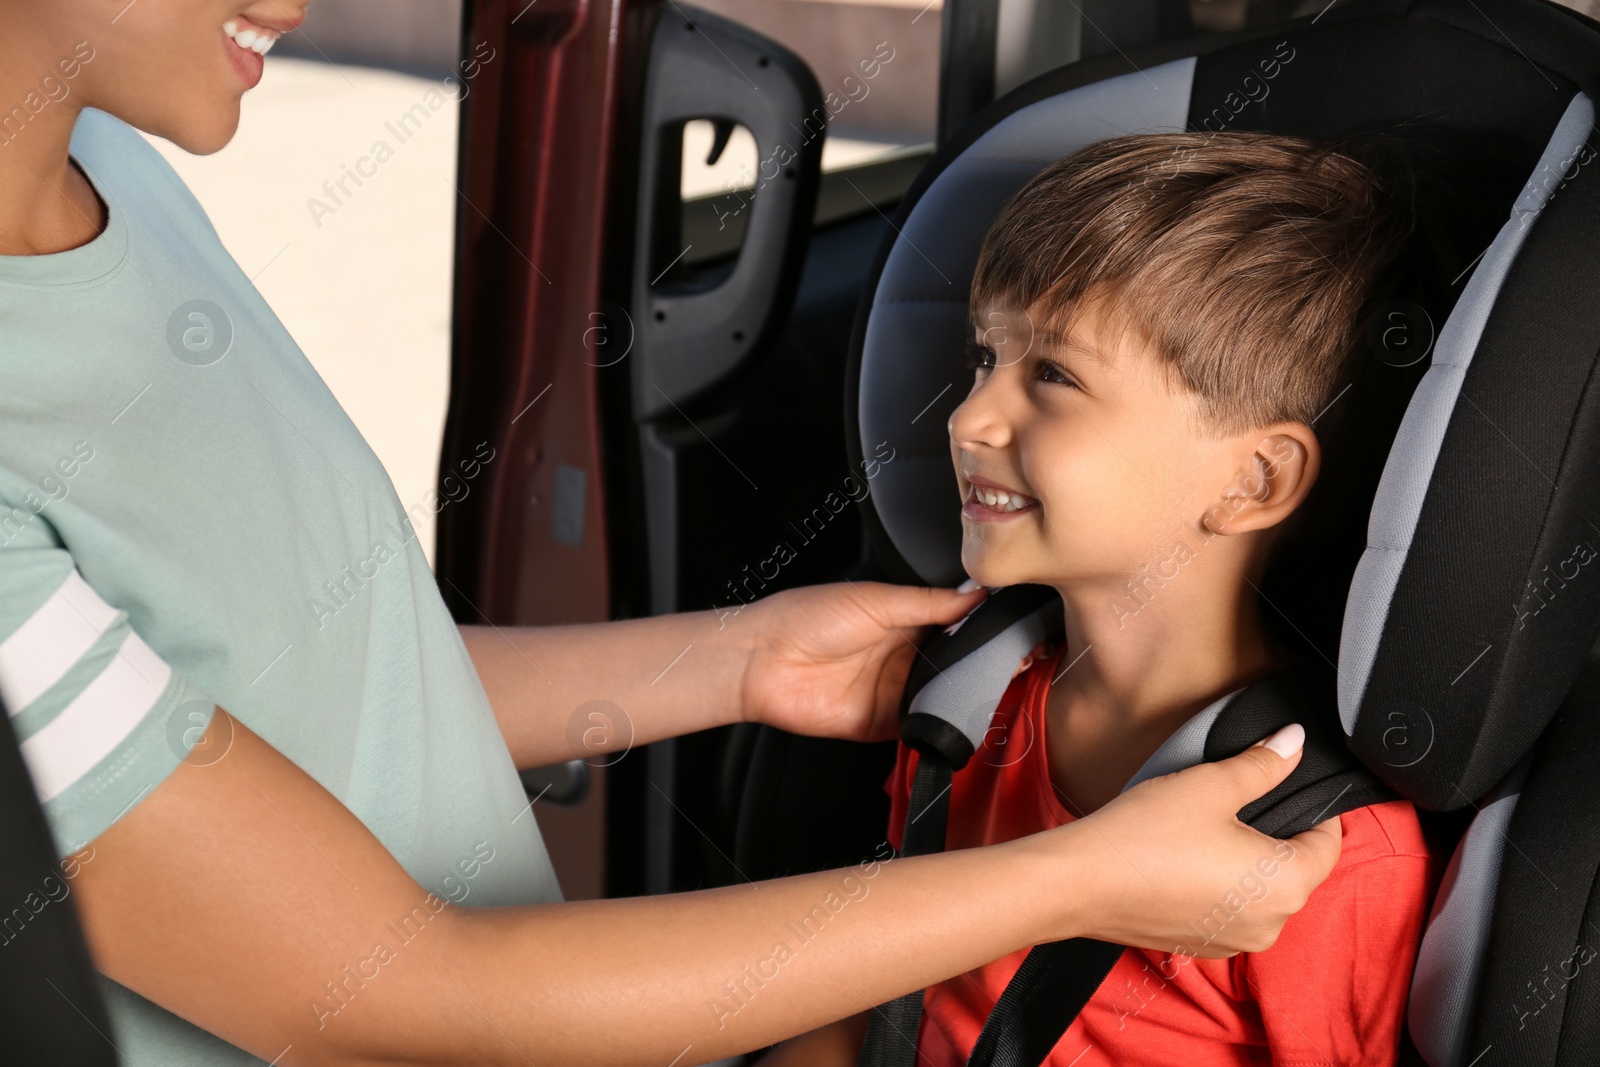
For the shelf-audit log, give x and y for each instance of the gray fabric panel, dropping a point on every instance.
(966, 693)
(938, 247)
(915, 496)
(912, 362)
(1398, 503)
(1186, 746)
(1450, 960)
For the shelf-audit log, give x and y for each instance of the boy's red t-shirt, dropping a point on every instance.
(1331, 990)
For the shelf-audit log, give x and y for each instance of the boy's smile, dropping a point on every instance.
(989, 501)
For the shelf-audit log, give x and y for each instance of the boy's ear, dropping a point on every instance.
(1279, 469)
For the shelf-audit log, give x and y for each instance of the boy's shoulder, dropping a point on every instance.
(1386, 831)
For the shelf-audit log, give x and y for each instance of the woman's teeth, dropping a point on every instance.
(1001, 501)
(258, 41)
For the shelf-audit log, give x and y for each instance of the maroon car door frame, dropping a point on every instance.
(521, 521)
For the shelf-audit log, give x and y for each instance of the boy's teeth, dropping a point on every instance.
(1001, 501)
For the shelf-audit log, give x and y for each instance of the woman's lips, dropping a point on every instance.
(977, 511)
(248, 63)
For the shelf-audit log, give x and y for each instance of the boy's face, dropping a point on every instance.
(1109, 458)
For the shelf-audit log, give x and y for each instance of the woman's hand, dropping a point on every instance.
(832, 660)
(1168, 865)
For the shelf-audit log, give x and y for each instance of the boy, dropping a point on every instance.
(1159, 321)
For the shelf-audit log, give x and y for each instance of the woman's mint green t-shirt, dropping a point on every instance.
(189, 518)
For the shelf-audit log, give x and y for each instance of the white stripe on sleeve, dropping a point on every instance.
(41, 651)
(107, 711)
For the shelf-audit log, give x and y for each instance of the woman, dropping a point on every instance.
(189, 522)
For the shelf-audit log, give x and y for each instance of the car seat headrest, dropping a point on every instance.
(1477, 599)
(1474, 601)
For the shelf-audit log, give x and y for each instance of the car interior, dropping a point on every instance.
(1440, 599)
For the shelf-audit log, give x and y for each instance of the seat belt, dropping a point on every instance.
(964, 673)
(1056, 979)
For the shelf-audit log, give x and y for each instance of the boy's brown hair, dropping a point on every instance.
(1249, 261)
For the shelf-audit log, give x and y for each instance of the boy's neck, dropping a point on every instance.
(1125, 683)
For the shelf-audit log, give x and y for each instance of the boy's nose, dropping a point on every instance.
(979, 422)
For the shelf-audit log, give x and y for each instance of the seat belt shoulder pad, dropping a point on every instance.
(1329, 780)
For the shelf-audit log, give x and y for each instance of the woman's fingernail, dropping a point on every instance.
(968, 586)
(1287, 741)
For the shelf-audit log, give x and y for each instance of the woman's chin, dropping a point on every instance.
(204, 131)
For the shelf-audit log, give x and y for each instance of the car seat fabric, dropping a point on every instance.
(1539, 995)
(1444, 985)
(1465, 622)
(1506, 502)
(965, 691)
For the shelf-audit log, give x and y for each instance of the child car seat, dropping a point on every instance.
(1471, 605)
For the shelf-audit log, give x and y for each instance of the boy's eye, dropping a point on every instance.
(1052, 373)
(981, 357)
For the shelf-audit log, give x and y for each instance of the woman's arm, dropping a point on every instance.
(575, 692)
(245, 898)
(827, 661)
